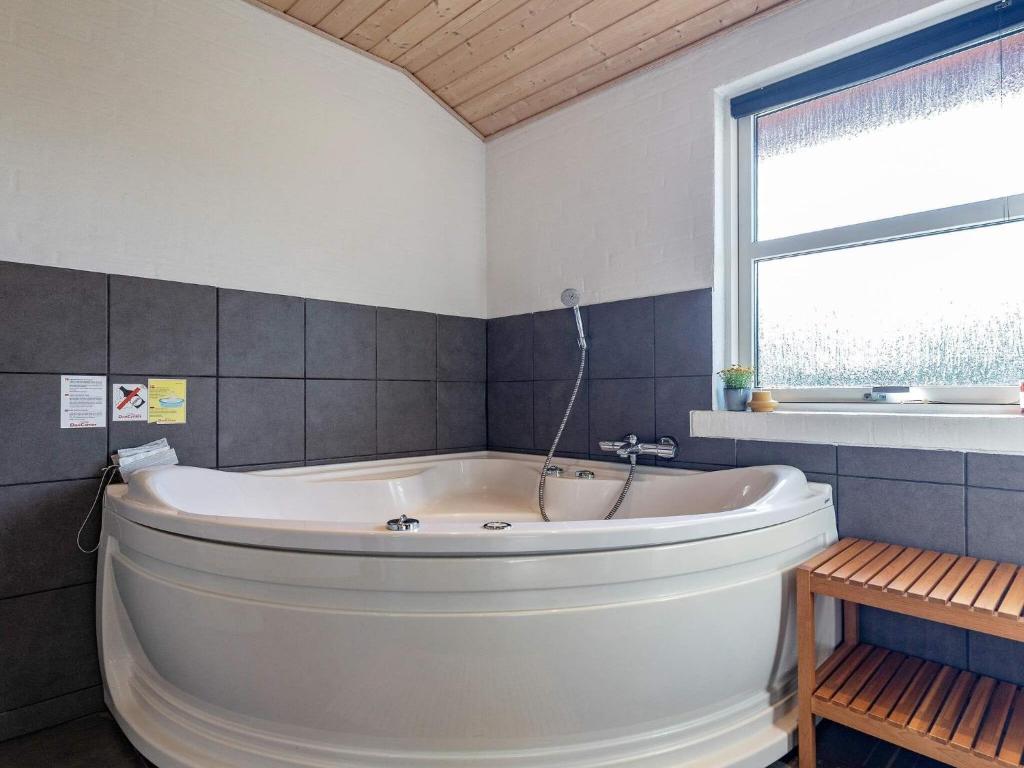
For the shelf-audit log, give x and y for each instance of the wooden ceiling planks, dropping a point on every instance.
(496, 63)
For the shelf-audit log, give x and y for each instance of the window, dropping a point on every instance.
(881, 227)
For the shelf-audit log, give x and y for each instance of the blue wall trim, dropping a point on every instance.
(973, 27)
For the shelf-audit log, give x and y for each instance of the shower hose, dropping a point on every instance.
(554, 447)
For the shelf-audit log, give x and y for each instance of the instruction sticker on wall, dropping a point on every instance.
(167, 401)
(131, 402)
(83, 401)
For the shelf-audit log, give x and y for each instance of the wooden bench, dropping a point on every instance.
(955, 716)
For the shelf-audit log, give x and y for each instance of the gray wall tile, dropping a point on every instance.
(406, 345)
(988, 470)
(45, 714)
(461, 348)
(510, 348)
(995, 524)
(510, 414)
(619, 407)
(38, 525)
(34, 448)
(996, 657)
(902, 464)
(556, 349)
(917, 637)
(461, 414)
(52, 320)
(341, 340)
(195, 441)
(806, 457)
(924, 515)
(261, 334)
(550, 399)
(675, 398)
(341, 418)
(48, 645)
(264, 467)
(261, 421)
(406, 416)
(622, 339)
(682, 334)
(162, 327)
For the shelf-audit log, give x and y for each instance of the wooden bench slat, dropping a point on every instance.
(975, 582)
(885, 576)
(827, 554)
(993, 592)
(1013, 602)
(995, 720)
(933, 700)
(842, 558)
(970, 724)
(932, 576)
(912, 572)
(842, 673)
(911, 698)
(1013, 742)
(860, 677)
(876, 564)
(870, 692)
(895, 688)
(953, 706)
(952, 581)
(855, 564)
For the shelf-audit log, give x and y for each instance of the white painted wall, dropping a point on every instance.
(626, 193)
(209, 142)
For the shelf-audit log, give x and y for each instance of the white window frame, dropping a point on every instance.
(750, 251)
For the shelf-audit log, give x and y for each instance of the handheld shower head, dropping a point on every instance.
(571, 299)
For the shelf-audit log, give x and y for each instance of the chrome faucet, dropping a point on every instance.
(630, 447)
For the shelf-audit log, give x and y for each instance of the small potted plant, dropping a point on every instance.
(737, 380)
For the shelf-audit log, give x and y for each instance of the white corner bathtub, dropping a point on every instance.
(272, 621)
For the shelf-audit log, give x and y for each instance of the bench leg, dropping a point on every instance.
(851, 622)
(806, 666)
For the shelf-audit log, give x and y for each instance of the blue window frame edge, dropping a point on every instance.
(960, 32)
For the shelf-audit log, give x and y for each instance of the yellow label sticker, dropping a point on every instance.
(167, 401)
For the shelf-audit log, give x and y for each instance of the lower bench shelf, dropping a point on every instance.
(955, 716)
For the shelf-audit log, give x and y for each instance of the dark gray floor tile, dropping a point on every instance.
(510, 414)
(341, 418)
(902, 464)
(94, 741)
(675, 398)
(58, 711)
(619, 407)
(162, 328)
(34, 448)
(622, 339)
(461, 414)
(991, 470)
(48, 645)
(406, 345)
(510, 348)
(682, 334)
(556, 349)
(550, 399)
(914, 636)
(38, 525)
(807, 457)
(341, 340)
(261, 421)
(406, 416)
(996, 657)
(52, 320)
(261, 334)
(926, 515)
(461, 348)
(195, 441)
(995, 524)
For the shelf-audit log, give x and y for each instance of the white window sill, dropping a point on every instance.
(995, 431)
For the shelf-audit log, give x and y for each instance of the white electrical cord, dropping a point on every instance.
(105, 478)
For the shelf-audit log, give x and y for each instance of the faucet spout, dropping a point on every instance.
(630, 447)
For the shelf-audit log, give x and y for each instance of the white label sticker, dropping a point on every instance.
(83, 401)
(131, 402)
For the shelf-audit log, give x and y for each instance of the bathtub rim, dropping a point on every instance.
(465, 539)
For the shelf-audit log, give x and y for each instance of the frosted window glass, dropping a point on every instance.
(945, 309)
(935, 135)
